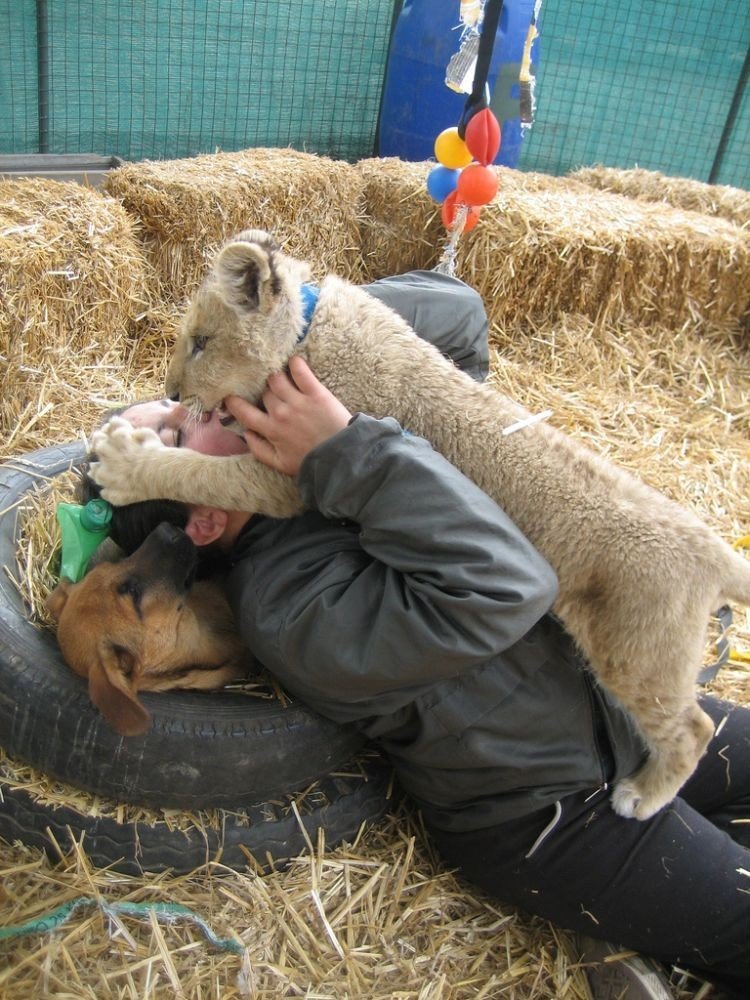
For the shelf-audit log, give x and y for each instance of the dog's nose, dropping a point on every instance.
(169, 533)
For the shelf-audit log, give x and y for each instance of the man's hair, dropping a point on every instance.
(132, 523)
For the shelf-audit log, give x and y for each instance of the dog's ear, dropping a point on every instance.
(246, 275)
(111, 690)
(57, 600)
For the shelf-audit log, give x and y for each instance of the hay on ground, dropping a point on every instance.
(730, 203)
(376, 919)
(672, 407)
(188, 208)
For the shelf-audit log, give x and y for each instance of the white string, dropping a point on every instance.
(447, 263)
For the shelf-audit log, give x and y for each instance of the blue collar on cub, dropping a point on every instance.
(309, 295)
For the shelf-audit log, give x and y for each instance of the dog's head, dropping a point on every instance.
(242, 324)
(142, 625)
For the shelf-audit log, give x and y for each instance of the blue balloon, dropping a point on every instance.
(441, 181)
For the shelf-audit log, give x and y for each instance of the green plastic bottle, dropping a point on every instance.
(83, 529)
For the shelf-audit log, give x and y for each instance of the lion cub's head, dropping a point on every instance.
(241, 325)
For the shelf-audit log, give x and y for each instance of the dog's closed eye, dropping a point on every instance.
(131, 587)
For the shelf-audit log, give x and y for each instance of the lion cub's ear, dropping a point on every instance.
(244, 271)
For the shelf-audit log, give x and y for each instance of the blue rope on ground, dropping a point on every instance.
(169, 912)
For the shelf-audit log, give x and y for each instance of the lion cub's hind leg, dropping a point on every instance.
(657, 684)
(677, 733)
(644, 632)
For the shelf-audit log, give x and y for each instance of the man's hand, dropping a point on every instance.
(300, 413)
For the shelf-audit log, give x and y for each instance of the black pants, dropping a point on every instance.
(676, 887)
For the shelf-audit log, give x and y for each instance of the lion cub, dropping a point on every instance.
(639, 575)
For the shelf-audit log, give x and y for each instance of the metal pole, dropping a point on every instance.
(42, 71)
(739, 92)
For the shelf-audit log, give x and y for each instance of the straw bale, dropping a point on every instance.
(729, 203)
(549, 245)
(73, 285)
(401, 226)
(187, 208)
(537, 254)
(49, 403)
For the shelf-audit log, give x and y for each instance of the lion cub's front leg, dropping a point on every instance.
(133, 464)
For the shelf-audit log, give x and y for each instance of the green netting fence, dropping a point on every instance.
(171, 78)
(661, 85)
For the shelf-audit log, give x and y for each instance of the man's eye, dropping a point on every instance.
(199, 344)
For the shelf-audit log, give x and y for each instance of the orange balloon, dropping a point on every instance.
(477, 185)
(449, 210)
(451, 150)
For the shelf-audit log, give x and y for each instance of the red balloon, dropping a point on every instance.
(482, 136)
(477, 185)
(450, 208)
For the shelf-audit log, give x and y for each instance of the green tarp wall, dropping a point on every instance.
(653, 84)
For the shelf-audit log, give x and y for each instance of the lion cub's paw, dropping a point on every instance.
(625, 800)
(631, 802)
(120, 470)
(669, 765)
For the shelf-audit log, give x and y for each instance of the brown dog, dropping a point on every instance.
(142, 624)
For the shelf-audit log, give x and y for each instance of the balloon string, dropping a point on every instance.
(447, 263)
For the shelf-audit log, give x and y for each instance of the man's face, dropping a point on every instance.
(178, 429)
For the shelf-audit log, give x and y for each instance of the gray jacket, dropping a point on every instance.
(406, 602)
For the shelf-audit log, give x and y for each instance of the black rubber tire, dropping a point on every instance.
(202, 750)
(262, 831)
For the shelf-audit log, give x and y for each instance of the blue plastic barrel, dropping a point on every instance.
(417, 105)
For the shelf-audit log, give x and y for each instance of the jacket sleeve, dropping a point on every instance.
(441, 579)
